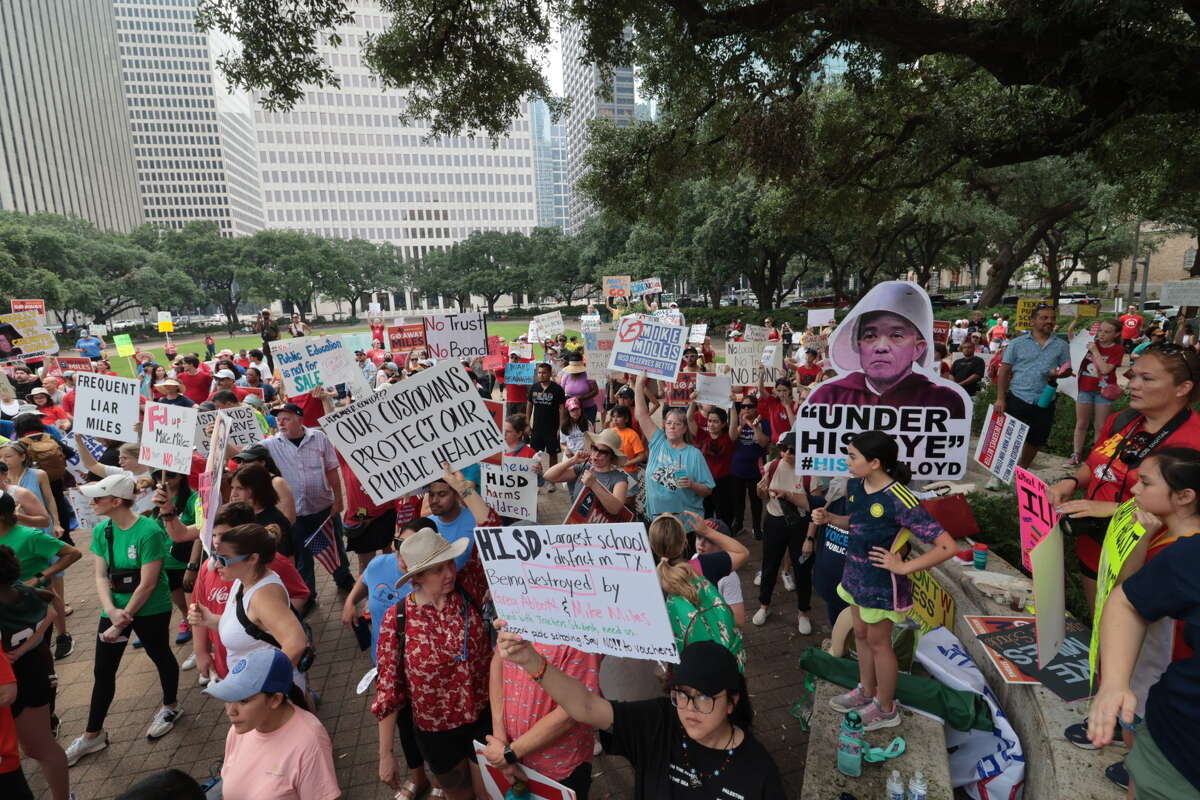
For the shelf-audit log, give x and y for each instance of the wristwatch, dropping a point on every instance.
(192, 567)
(509, 756)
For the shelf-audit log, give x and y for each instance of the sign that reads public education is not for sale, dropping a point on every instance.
(396, 440)
(646, 346)
(592, 587)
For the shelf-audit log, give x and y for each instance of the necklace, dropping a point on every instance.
(695, 778)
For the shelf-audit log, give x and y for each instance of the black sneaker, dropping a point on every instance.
(55, 725)
(64, 645)
(1077, 735)
(1118, 775)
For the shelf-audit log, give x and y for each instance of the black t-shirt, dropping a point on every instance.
(546, 403)
(1169, 586)
(271, 515)
(964, 367)
(648, 733)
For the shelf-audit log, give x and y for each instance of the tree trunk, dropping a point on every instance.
(1013, 254)
(714, 294)
(1051, 262)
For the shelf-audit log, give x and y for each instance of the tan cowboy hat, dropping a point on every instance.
(610, 439)
(427, 548)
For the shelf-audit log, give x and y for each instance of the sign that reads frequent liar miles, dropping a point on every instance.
(106, 406)
(396, 439)
(592, 587)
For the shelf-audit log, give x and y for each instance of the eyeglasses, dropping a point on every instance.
(225, 561)
(699, 701)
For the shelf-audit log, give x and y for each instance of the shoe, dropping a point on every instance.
(760, 616)
(189, 662)
(1118, 774)
(185, 634)
(1077, 735)
(803, 624)
(163, 722)
(202, 680)
(789, 582)
(83, 746)
(758, 578)
(851, 701)
(64, 645)
(1074, 460)
(874, 718)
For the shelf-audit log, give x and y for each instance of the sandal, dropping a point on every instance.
(410, 791)
(68, 610)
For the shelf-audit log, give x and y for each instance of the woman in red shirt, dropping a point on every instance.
(51, 414)
(1097, 376)
(710, 433)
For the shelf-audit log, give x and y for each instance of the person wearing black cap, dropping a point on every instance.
(694, 743)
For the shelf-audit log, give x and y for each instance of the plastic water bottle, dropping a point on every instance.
(918, 788)
(518, 791)
(895, 786)
(1046, 398)
(850, 745)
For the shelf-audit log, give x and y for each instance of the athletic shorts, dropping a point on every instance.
(445, 750)
(33, 672)
(545, 441)
(376, 534)
(1040, 420)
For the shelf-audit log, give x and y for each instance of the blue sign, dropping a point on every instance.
(517, 372)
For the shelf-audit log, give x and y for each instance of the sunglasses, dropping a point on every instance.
(225, 561)
(603, 451)
(783, 448)
(1173, 351)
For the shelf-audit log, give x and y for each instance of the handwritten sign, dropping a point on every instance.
(24, 335)
(510, 487)
(168, 436)
(395, 440)
(697, 333)
(932, 607)
(755, 333)
(165, 323)
(1000, 443)
(550, 324)
(713, 390)
(241, 424)
(522, 349)
(311, 361)
(106, 406)
(124, 345)
(745, 360)
(1122, 537)
(456, 335)
(592, 587)
(406, 338)
(1035, 513)
(519, 373)
(616, 286)
(646, 286)
(589, 322)
(672, 315)
(646, 346)
(1066, 675)
(820, 317)
(770, 356)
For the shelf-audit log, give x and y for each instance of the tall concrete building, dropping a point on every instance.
(239, 151)
(549, 166)
(64, 139)
(591, 98)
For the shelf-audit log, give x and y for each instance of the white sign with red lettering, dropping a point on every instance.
(168, 437)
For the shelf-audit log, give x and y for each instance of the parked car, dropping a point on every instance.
(1157, 307)
(825, 301)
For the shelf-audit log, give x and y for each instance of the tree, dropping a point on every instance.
(357, 267)
(555, 268)
(492, 264)
(288, 265)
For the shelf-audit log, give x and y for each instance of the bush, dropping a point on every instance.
(1061, 434)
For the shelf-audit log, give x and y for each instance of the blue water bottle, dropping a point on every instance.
(1046, 399)
(850, 745)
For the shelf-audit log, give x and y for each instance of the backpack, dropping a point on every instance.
(711, 620)
(47, 455)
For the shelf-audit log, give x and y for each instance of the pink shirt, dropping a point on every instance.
(292, 763)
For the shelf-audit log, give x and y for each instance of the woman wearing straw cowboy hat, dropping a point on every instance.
(434, 652)
(598, 469)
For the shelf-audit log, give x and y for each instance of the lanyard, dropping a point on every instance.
(1174, 424)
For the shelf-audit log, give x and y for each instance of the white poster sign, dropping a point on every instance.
(168, 436)
(671, 315)
(396, 440)
(697, 333)
(550, 324)
(647, 346)
(374, 308)
(820, 317)
(1176, 293)
(311, 361)
(592, 587)
(456, 335)
(1079, 347)
(713, 390)
(106, 406)
(1000, 443)
(522, 349)
(589, 323)
(745, 359)
(242, 424)
(646, 286)
(164, 316)
(755, 333)
(770, 355)
(510, 487)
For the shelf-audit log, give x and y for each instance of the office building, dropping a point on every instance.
(65, 146)
(549, 165)
(239, 150)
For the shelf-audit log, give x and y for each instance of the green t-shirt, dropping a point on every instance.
(19, 619)
(144, 543)
(34, 548)
(185, 517)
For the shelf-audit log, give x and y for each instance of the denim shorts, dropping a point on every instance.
(1093, 397)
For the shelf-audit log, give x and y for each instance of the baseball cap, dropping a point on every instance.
(787, 439)
(264, 670)
(707, 667)
(121, 486)
(255, 452)
(224, 373)
(572, 403)
(290, 408)
(38, 390)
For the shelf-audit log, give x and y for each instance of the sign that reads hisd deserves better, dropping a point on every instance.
(397, 439)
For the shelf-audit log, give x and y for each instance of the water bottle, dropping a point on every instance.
(850, 745)
(518, 791)
(1046, 399)
(918, 788)
(895, 786)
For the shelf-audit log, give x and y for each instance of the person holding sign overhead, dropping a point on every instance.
(677, 476)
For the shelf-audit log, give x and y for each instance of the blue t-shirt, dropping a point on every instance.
(747, 452)
(89, 346)
(1169, 586)
(380, 578)
(876, 518)
(463, 527)
(1031, 362)
(663, 496)
(829, 558)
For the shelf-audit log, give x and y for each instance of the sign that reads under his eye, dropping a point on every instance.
(396, 440)
(592, 587)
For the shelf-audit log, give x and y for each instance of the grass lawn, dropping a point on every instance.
(193, 344)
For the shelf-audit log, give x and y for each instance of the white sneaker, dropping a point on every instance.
(189, 662)
(83, 746)
(789, 582)
(202, 679)
(804, 624)
(760, 616)
(163, 722)
(758, 578)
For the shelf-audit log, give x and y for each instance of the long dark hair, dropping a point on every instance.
(1180, 468)
(743, 712)
(878, 445)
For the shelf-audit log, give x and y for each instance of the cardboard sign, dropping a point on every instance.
(1088, 310)
(820, 317)
(312, 361)
(1025, 307)
(60, 364)
(697, 333)
(165, 323)
(646, 286)
(407, 338)
(107, 406)
(587, 510)
(1007, 669)
(1049, 594)
(1034, 511)
(456, 335)
(592, 587)
(519, 373)
(671, 315)
(617, 286)
(755, 333)
(678, 393)
(168, 436)
(646, 346)
(932, 607)
(1000, 443)
(124, 345)
(550, 324)
(396, 440)
(24, 335)
(1066, 675)
(745, 361)
(510, 488)
(1120, 539)
(713, 390)
(241, 424)
(538, 785)
(941, 331)
(589, 323)
(522, 349)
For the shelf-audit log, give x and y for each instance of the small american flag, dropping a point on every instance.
(321, 545)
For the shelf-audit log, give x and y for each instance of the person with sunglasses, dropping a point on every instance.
(696, 742)
(599, 469)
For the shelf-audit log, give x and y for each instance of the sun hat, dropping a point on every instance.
(574, 368)
(427, 548)
(707, 667)
(122, 486)
(170, 382)
(264, 670)
(612, 440)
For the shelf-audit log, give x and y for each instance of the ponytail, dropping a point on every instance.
(677, 580)
(1180, 468)
(668, 542)
(878, 445)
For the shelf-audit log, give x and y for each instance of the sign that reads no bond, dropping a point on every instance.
(591, 587)
(456, 335)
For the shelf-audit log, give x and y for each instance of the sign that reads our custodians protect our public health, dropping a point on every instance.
(647, 346)
(592, 587)
(396, 440)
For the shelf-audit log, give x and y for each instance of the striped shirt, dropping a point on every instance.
(304, 468)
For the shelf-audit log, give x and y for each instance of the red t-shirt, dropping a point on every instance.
(770, 407)
(1131, 326)
(517, 392)
(196, 385)
(52, 414)
(357, 498)
(718, 453)
(10, 755)
(240, 391)
(1089, 376)
(806, 374)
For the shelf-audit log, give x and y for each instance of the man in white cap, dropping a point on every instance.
(225, 382)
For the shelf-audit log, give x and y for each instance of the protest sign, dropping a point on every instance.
(75, 463)
(36, 306)
(519, 373)
(456, 335)
(589, 322)
(598, 345)
(1066, 675)
(755, 333)
(510, 487)
(311, 361)
(820, 317)
(1000, 443)
(932, 607)
(60, 364)
(210, 479)
(593, 587)
(496, 409)
(85, 512)
(770, 356)
(24, 335)
(240, 421)
(168, 436)
(99, 330)
(494, 362)
(588, 510)
(616, 286)
(533, 333)
(941, 331)
(165, 323)
(374, 308)
(1049, 594)
(522, 349)
(670, 315)
(646, 286)
(396, 440)
(1174, 293)
(106, 406)
(1122, 536)
(1089, 310)
(745, 361)
(646, 346)
(678, 393)
(1025, 307)
(1035, 512)
(697, 333)
(896, 389)
(550, 324)
(358, 340)
(537, 785)
(1068, 310)
(6, 388)
(1007, 669)
(495, 345)
(1079, 348)
(713, 390)
(406, 338)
